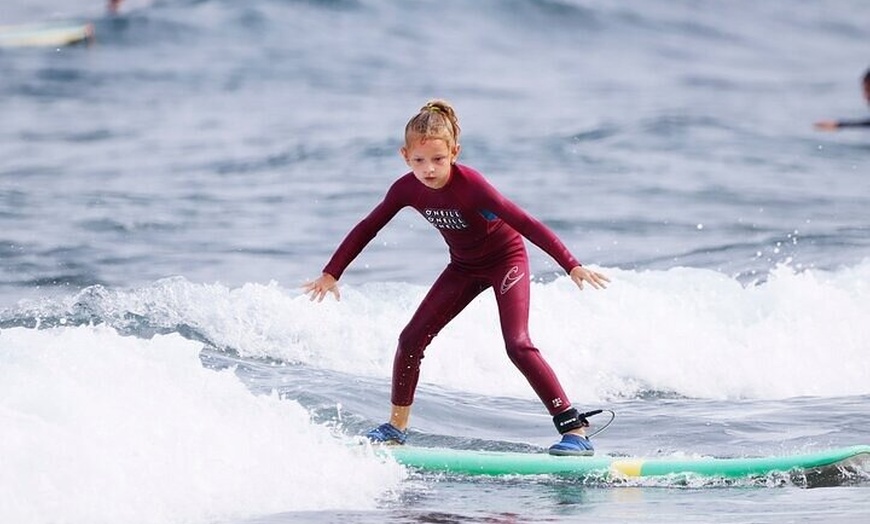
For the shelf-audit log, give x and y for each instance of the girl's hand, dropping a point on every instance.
(595, 279)
(318, 288)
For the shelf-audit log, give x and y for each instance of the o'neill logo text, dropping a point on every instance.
(445, 218)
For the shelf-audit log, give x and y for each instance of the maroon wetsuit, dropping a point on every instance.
(484, 231)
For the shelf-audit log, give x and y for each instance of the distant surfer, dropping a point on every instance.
(114, 6)
(484, 233)
(832, 125)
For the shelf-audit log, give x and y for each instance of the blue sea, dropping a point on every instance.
(166, 190)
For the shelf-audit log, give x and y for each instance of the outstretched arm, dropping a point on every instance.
(833, 125)
(540, 235)
(352, 245)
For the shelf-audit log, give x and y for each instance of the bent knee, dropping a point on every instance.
(520, 349)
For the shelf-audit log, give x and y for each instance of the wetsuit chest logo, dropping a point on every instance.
(510, 279)
(445, 218)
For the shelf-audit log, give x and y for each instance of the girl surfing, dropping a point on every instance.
(484, 233)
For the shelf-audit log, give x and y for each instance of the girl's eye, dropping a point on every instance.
(436, 160)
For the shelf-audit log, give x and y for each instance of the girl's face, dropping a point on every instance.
(431, 160)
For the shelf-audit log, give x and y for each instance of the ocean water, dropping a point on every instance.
(165, 191)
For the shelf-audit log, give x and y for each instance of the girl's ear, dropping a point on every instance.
(456, 150)
(404, 152)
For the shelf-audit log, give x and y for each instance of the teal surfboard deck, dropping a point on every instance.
(50, 34)
(494, 463)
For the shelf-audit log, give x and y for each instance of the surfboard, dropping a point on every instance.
(50, 34)
(497, 463)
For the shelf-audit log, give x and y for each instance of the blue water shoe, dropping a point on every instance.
(572, 445)
(387, 433)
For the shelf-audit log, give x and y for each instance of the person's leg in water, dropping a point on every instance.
(449, 295)
(512, 288)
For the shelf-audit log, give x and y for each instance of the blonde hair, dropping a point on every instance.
(436, 120)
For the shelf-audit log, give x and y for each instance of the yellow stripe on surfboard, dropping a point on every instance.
(627, 467)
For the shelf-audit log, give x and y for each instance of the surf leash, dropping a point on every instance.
(584, 417)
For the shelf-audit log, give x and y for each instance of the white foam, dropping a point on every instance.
(95, 427)
(694, 332)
